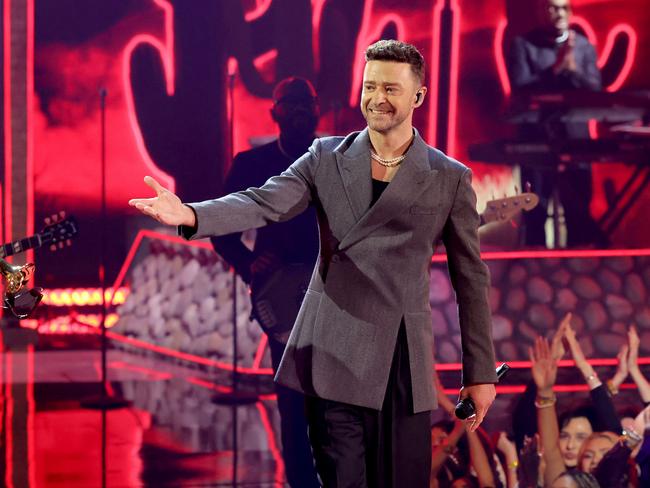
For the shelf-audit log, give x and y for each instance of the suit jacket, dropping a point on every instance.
(373, 269)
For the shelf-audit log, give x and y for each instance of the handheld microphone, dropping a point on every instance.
(466, 408)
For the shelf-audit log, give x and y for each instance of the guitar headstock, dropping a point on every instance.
(504, 209)
(58, 231)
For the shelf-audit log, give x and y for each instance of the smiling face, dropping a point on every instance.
(389, 96)
(572, 436)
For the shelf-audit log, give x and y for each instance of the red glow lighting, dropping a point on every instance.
(259, 10)
(186, 356)
(273, 445)
(502, 69)
(166, 51)
(605, 53)
(552, 254)
(453, 78)
(9, 419)
(434, 72)
(317, 14)
(81, 297)
(630, 56)
(370, 30)
(71, 324)
(29, 177)
(31, 412)
(8, 162)
(259, 354)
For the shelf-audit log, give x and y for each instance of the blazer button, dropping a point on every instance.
(336, 258)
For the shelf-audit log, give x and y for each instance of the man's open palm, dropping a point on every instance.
(165, 207)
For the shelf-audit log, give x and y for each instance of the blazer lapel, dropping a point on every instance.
(354, 166)
(409, 182)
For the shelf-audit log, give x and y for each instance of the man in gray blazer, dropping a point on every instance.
(362, 346)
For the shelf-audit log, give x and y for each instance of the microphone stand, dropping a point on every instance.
(105, 400)
(236, 397)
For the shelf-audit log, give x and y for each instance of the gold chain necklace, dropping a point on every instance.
(389, 163)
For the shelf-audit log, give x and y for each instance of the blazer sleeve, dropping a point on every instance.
(281, 198)
(470, 279)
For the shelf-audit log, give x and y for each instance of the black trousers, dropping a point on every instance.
(357, 447)
(296, 451)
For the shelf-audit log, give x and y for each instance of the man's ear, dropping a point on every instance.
(419, 96)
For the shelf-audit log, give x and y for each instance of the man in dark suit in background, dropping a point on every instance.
(555, 58)
(282, 258)
(361, 348)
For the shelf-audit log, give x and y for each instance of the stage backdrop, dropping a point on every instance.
(188, 84)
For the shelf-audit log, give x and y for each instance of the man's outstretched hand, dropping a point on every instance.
(165, 207)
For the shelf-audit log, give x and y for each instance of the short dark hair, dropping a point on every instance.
(400, 52)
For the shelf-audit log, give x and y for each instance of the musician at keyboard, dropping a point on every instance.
(554, 57)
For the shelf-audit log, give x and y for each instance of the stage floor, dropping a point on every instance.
(171, 434)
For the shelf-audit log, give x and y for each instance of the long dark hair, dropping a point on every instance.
(582, 479)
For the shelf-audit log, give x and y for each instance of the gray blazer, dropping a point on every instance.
(373, 268)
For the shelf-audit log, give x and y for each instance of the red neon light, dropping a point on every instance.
(564, 363)
(502, 69)
(453, 79)
(317, 14)
(435, 73)
(259, 354)
(7, 118)
(108, 388)
(630, 56)
(593, 39)
(220, 388)
(9, 421)
(152, 373)
(273, 445)
(186, 356)
(511, 389)
(81, 297)
(152, 235)
(258, 62)
(593, 128)
(31, 412)
(261, 7)
(29, 183)
(166, 52)
(584, 253)
(370, 30)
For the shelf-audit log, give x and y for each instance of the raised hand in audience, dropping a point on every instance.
(585, 368)
(509, 450)
(530, 469)
(544, 370)
(622, 369)
(633, 366)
